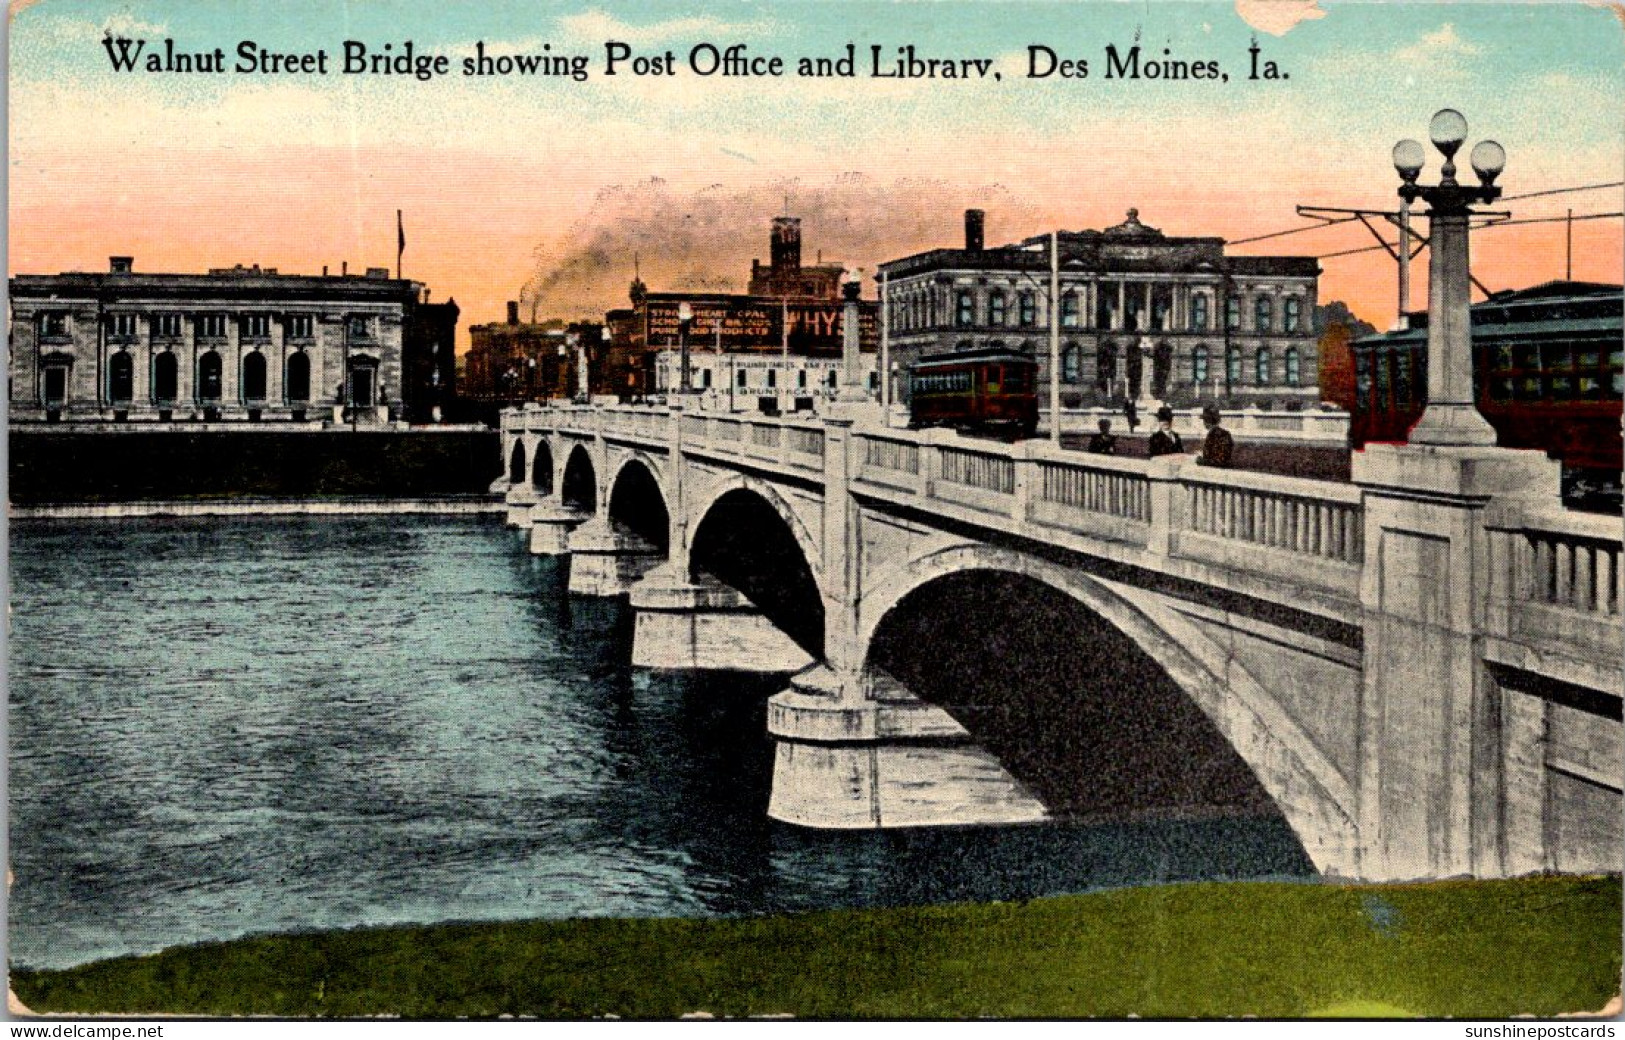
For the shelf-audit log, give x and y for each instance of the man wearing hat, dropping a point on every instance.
(1219, 448)
(1165, 441)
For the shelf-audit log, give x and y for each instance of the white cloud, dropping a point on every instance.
(596, 27)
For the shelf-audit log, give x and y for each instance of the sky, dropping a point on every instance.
(549, 189)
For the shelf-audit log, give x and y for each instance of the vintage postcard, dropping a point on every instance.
(842, 510)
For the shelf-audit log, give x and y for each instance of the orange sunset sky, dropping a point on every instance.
(544, 188)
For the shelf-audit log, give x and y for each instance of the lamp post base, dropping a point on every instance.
(1453, 425)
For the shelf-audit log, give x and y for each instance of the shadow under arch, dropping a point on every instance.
(580, 489)
(516, 463)
(1105, 707)
(541, 469)
(638, 503)
(743, 541)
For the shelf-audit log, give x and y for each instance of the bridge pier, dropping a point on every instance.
(606, 560)
(886, 760)
(1436, 740)
(700, 623)
(550, 529)
(519, 499)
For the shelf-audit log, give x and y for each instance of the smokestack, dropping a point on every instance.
(344, 269)
(513, 312)
(974, 219)
(785, 245)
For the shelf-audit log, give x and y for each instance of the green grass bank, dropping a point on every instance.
(1540, 946)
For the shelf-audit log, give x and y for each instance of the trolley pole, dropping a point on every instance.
(1404, 262)
(885, 354)
(1055, 336)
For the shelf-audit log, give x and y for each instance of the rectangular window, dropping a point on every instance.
(360, 327)
(1199, 313)
(965, 312)
(53, 323)
(256, 326)
(1029, 309)
(1294, 314)
(300, 326)
(1232, 313)
(167, 326)
(121, 326)
(772, 379)
(995, 309)
(211, 326)
(1069, 310)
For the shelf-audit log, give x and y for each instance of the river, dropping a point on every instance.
(226, 727)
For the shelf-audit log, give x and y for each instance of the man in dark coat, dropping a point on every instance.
(1104, 442)
(1165, 441)
(1219, 448)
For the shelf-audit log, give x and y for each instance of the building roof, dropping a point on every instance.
(221, 283)
(1548, 309)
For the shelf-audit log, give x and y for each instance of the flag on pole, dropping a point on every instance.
(400, 242)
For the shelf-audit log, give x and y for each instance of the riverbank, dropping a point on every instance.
(448, 505)
(1533, 946)
(55, 464)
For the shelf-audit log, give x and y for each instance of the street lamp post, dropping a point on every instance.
(1451, 419)
(685, 315)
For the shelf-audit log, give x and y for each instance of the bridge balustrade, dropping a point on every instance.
(1091, 489)
(1556, 581)
(806, 441)
(1307, 517)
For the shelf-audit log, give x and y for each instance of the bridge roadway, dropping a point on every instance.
(1421, 667)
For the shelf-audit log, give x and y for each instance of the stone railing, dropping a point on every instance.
(1249, 525)
(1556, 582)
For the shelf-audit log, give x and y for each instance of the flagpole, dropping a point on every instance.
(400, 243)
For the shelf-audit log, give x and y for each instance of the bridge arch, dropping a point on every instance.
(579, 488)
(637, 501)
(516, 463)
(541, 468)
(747, 536)
(1314, 798)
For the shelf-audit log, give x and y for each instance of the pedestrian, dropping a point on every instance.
(1104, 442)
(1165, 441)
(1219, 448)
(1132, 414)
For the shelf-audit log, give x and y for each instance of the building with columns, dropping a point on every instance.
(1140, 313)
(239, 344)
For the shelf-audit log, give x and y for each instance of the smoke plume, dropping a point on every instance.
(704, 241)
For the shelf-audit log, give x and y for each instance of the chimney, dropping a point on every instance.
(344, 270)
(974, 219)
(785, 245)
(513, 312)
(121, 264)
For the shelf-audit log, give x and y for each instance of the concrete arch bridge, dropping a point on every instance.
(1420, 671)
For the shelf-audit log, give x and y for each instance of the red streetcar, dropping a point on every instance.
(993, 389)
(1547, 374)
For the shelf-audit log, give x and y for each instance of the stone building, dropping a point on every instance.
(1141, 313)
(792, 310)
(235, 344)
(516, 360)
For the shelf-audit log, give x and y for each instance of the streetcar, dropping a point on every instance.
(1547, 374)
(990, 389)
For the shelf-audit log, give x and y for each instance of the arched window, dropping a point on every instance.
(1291, 363)
(1105, 366)
(1232, 313)
(1162, 364)
(165, 377)
(297, 384)
(1261, 367)
(254, 376)
(208, 377)
(1232, 365)
(1199, 315)
(1294, 314)
(121, 377)
(965, 309)
(1262, 314)
(1069, 310)
(1071, 363)
(1199, 361)
(995, 308)
(1029, 309)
